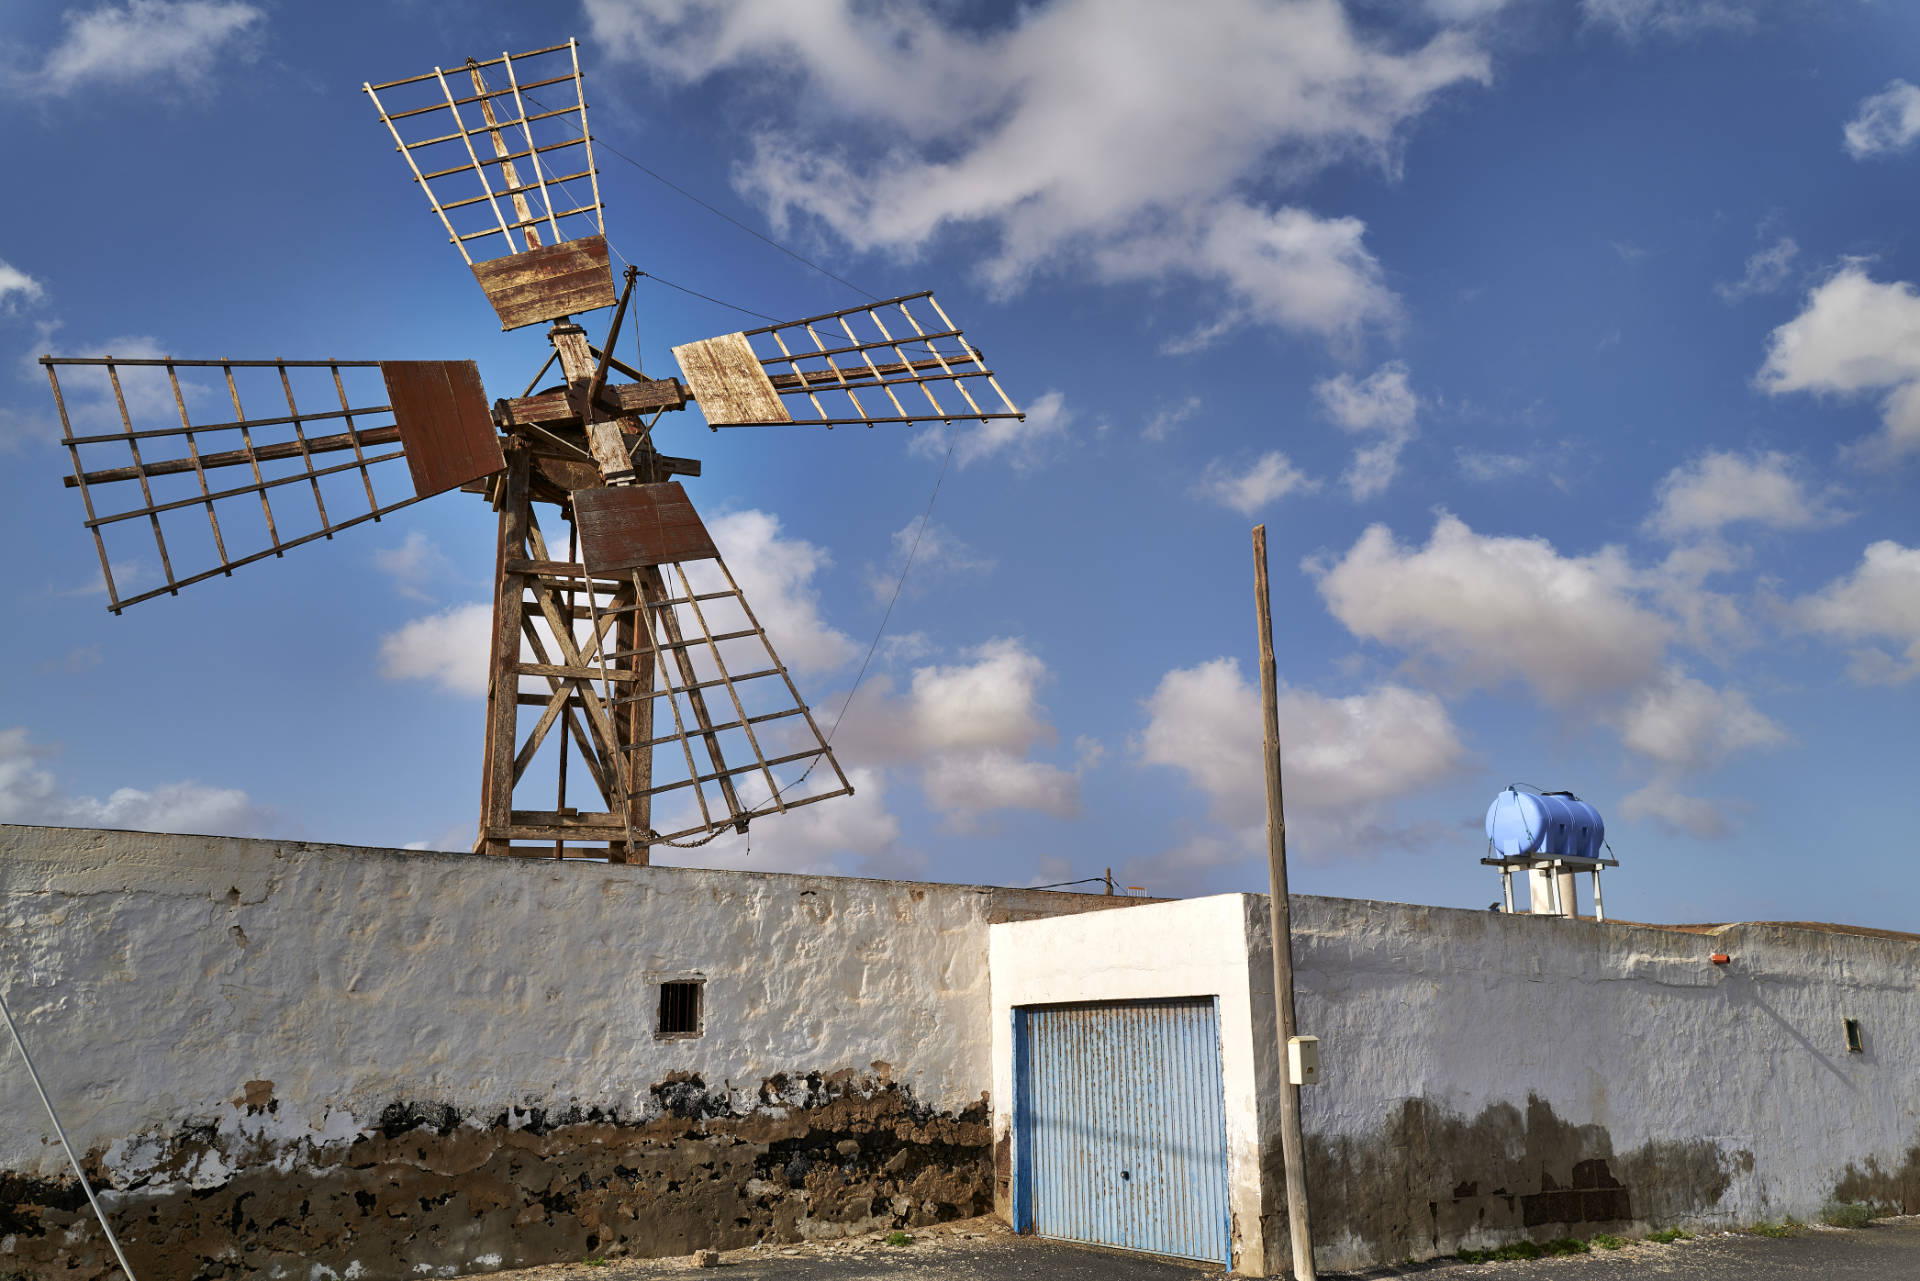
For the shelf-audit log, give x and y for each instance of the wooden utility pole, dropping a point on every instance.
(1299, 1226)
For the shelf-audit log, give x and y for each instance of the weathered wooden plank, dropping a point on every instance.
(639, 525)
(726, 378)
(622, 399)
(240, 457)
(569, 819)
(441, 412)
(569, 673)
(503, 661)
(532, 832)
(864, 376)
(547, 283)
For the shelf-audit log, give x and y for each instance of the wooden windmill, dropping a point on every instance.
(628, 642)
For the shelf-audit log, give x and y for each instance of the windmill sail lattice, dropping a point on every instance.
(875, 364)
(510, 175)
(742, 742)
(184, 461)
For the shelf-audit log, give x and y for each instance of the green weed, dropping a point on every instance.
(1764, 1229)
(1848, 1214)
(1667, 1236)
(1502, 1253)
(593, 1263)
(1608, 1241)
(899, 1238)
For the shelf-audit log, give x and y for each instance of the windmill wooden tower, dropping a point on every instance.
(628, 645)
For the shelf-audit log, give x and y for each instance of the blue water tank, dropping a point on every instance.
(1547, 824)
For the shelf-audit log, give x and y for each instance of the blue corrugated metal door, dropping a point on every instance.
(1122, 1137)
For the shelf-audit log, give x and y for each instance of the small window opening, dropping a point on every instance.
(679, 1009)
(1854, 1044)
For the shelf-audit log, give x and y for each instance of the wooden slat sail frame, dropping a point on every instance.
(481, 183)
(815, 370)
(665, 649)
(295, 446)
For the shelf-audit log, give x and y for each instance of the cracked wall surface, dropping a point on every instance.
(277, 1057)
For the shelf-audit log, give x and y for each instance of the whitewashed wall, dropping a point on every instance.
(288, 995)
(1717, 1094)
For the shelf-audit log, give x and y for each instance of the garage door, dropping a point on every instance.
(1122, 1139)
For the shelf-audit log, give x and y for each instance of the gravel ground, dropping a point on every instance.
(984, 1250)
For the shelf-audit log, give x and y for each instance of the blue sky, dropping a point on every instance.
(1569, 352)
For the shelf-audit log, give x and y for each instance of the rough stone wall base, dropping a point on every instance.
(432, 1191)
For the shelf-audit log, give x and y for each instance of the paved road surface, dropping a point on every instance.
(984, 1251)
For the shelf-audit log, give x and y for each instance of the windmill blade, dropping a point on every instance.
(194, 454)
(724, 736)
(909, 368)
(535, 238)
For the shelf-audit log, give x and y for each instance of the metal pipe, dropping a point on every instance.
(74, 1161)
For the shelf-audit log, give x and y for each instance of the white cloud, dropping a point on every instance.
(1686, 726)
(1344, 759)
(990, 702)
(144, 40)
(776, 573)
(1490, 468)
(1072, 133)
(1270, 477)
(17, 288)
(1337, 752)
(1710, 621)
(1676, 811)
(1381, 403)
(1855, 335)
(979, 782)
(79, 659)
(413, 565)
(448, 648)
(31, 794)
(1878, 601)
(1766, 271)
(1633, 19)
(968, 729)
(1166, 419)
(1465, 10)
(1024, 444)
(1288, 268)
(1887, 121)
(1723, 488)
(1497, 608)
(934, 552)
